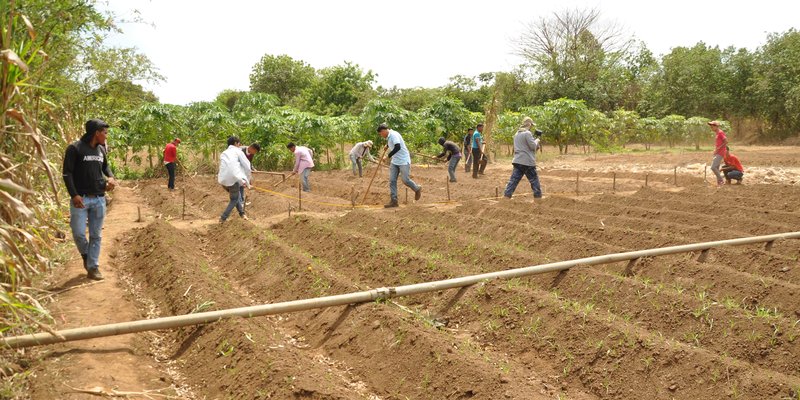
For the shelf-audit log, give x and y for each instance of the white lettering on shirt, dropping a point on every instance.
(98, 158)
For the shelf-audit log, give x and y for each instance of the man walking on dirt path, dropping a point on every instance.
(468, 149)
(732, 169)
(234, 172)
(303, 162)
(359, 151)
(478, 165)
(171, 160)
(88, 177)
(524, 162)
(400, 165)
(720, 149)
(453, 155)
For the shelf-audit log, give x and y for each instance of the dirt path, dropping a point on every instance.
(119, 363)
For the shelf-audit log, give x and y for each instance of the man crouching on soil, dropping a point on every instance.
(400, 165)
(85, 170)
(234, 171)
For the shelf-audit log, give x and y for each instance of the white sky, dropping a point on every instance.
(203, 47)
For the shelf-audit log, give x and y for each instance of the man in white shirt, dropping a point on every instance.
(400, 165)
(359, 151)
(234, 172)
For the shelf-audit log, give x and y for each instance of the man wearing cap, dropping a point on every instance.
(453, 155)
(87, 176)
(358, 152)
(720, 149)
(400, 165)
(170, 160)
(524, 162)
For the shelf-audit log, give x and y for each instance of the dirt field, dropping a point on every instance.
(677, 328)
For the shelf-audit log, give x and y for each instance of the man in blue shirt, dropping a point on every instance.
(400, 165)
(468, 149)
(477, 154)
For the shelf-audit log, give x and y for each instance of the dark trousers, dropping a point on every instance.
(476, 159)
(516, 176)
(171, 172)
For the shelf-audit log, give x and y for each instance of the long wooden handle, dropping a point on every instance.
(373, 176)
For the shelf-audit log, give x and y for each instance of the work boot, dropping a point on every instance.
(94, 274)
(418, 194)
(391, 204)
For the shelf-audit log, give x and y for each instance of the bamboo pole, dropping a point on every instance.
(374, 174)
(676, 176)
(122, 328)
(614, 185)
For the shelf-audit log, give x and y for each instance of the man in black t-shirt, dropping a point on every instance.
(87, 177)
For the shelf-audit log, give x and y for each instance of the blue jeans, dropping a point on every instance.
(355, 161)
(94, 212)
(451, 168)
(241, 196)
(304, 179)
(715, 163)
(516, 176)
(404, 171)
(735, 175)
(235, 201)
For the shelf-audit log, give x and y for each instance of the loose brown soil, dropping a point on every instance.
(728, 327)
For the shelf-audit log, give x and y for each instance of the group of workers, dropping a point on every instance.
(87, 175)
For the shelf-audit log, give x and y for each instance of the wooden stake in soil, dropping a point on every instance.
(676, 176)
(406, 200)
(705, 173)
(373, 176)
(299, 196)
(578, 183)
(646, 178)
(496, 192)
(447, 181)
(183, 210)
(614, 185)
(139, 214)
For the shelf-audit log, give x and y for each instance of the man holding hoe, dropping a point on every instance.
(171, 160)
(359, 151)
(400, 165)
(303, 162)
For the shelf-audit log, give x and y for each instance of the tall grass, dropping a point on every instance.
(29, 195)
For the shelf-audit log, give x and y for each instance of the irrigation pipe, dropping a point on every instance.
(121, 328)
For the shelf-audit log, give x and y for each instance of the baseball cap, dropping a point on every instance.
(714, 123)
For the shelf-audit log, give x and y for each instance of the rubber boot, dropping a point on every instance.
(391, 204)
